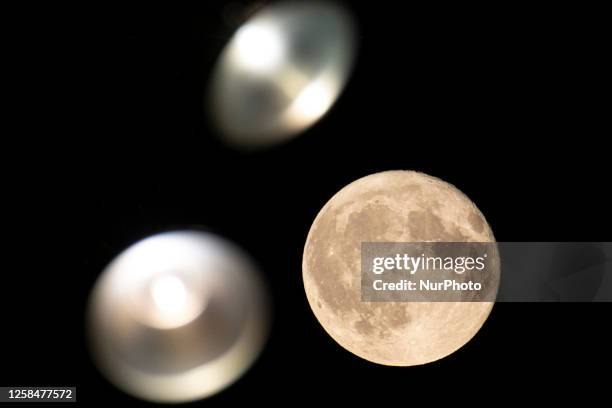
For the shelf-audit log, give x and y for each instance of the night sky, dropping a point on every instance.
(108, 142)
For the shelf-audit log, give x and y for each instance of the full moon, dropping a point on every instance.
(392, 206)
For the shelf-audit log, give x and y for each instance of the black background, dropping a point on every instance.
(109, 143)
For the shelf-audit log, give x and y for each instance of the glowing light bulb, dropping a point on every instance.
(259, 47)
(169, 295)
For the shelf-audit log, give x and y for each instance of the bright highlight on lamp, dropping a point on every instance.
(170, 295)
(259, 47)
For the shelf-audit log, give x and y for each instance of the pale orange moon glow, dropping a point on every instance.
(393, 206)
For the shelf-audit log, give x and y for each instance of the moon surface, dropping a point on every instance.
(392, 206)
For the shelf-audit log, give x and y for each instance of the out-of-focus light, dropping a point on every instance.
(259, 47)
(177, 317)
(170, 296)
(312, 102)
(281, 72)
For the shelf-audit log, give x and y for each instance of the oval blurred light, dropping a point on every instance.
(177, 317)
(281, 72)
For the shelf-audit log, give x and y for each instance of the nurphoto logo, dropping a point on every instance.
(429, 271)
